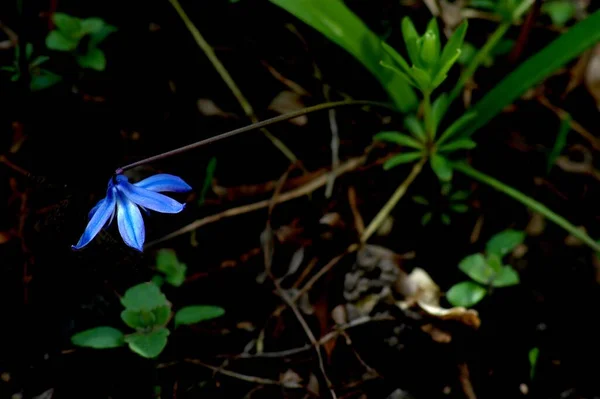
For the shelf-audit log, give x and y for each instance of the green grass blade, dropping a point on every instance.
(340, 25)
(538, 67)
(527, 201)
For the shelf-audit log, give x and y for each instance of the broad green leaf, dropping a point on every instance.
(414, 126)
(456, 127)
(504, 242)
(340, 25)
(442, 167)
(402, 159)
(174, 270)
(93, 59)
(162, 315)
(197, 313)
(143, 319)
(465, 294)
(101, 34)
(57, 41)
(69, 26)
(132, 318)
(145, 296)
(460, 144)
(495, 263)
(476, 267)
(148, 344)
(43, 79)
(99, 338)
(541, 65)
(398, 138)
(92, 25)
(507, 277)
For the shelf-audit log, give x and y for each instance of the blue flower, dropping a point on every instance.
(124, 198)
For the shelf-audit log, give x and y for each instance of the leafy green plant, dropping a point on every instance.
(486, 270)
(40, 78)
(451, 202)
(559, 11)
(81, 38)
(148, 312)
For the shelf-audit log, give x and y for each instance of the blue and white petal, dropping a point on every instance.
(130, 222)
(101, 213)
(164, 182)
(150, 199)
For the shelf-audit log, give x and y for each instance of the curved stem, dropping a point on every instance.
(527, 201)
(254, 126)
(222, 71)
(391, 204)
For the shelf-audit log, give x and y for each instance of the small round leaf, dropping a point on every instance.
(465, 294)
(99, 338)
(148, 344)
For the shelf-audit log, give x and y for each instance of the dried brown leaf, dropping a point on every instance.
(288, 101)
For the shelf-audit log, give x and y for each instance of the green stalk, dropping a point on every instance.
(478, 59)
(235, 90)
(391, 204)
(527, 201)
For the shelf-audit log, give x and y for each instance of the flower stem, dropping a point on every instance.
(391, 203)
(527, 201)
(254, 126)
(222, 71)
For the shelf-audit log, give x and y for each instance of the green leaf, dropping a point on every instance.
(44, 79)
(456, 127)
(145, 296)
(541, 65)
(93, 59)
(476, 267)
(210, 174)
(459, 208)
(57, 41)
(506, 277)
(415, 128)
(148, 344)
(460, 195)
(144, 319)
(438, 109)
(452, 50)
(401, 159)
(410, 36)
(397, 58)
(421, 77)
(197, 313)
(420, 200)
(167, 263)
(162, 315)
(560, 143)
(38, 61)
(495, 263)
(99, 338)
(442, 167)
(467, 53)
(504, 242)
(67, 25)
(460, 144)
(445, 219)
(560, 11)
(465, 294)
(426, 218)
(101, 34)
(534, 353)
(340, 25)
(398, 138)
(91, 25)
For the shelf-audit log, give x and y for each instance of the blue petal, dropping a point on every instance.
(130, 222)
(149, 199)
(102, 212)
(164, 182)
